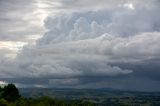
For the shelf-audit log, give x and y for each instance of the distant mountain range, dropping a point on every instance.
(77, 93)
(101, 97)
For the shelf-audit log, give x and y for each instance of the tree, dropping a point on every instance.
(3, 102)
(1, 91)
(10, 93)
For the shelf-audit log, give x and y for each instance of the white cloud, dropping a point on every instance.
(86, 25)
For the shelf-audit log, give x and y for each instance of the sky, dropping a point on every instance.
(81, 44)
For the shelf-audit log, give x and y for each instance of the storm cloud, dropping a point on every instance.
(108, 44)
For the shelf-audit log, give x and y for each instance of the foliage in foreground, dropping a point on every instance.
(43, 101)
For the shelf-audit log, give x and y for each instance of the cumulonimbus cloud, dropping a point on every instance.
(82, 48)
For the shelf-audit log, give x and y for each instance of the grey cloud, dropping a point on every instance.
(61, 63)
(93, 58)
(117, 22)
(18, 21)
(146, 68)
(83, 5)
(126, 83)
(113, 47)
(129, 48)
